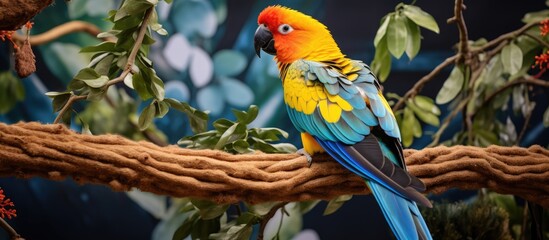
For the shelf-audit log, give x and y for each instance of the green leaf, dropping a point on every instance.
(397, 34)
(420, 17)
(262, 209)
(241, 146)
(96, 94)
(97, 83)
(336, 203)
(417, 131)
(102, 47)
(306, 206)
(451, 87)
(132, 7)
(59, 101)
(185, 229)
(235, 132)
(208, 209)
(408, 122)
(146, 117)
(546, 118)
(511, 58)
(536, 16)
(138, 84)
(381, 65)
(426, 103)
(222, 124)
(248, 116)
(162, 108)
(284, 148)
(425, 115)
(87, 73)
(382, 28)
(204, 227)
(413, 43)
(104, 65)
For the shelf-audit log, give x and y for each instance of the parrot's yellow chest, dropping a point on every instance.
(301, 94)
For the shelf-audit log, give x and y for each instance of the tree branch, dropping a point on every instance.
(62, 30)
(424, 80)
(55, 152)
(9, 229)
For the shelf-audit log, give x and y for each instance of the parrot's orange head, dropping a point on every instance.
(292, 35)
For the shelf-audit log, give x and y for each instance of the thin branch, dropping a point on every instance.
(447, 120)
(504, 37)
(62, 30)
(527, 119)
(525, 80)
(127, 69)
(73, 98)
(424, 80)
(463, 51)
(537, 39)
(56, 152)
(9, 229)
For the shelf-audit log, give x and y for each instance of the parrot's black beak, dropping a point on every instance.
(263, 39)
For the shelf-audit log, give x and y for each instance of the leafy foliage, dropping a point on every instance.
(12, 91)
(399, 33)
(479, 220)
(236, 137)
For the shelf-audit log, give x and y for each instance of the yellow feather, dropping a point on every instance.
(301, 104)
(310, 108)
(352, 77)
(330, 112)
(294, 102)
(310, 145)
(347, 69)
(344, 105)
(320, 91)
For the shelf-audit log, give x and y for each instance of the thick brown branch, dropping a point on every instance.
(55, 152)
(15, 13)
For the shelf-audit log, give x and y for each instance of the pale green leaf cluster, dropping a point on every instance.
(400, 33)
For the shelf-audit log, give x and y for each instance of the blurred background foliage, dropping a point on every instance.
(207, 61)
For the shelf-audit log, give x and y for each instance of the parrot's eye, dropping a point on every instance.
(285, 28)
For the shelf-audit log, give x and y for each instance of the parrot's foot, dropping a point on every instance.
(307, 155)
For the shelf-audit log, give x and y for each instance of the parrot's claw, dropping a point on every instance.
(307, 155)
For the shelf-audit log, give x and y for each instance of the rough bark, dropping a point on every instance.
(55, 152)
(15, 13)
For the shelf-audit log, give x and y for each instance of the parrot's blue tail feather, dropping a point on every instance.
(400, 214)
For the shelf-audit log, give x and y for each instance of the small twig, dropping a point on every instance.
(507, 36)
(526, 80)
(12, 233)
(525, 125)
(424, 80)
(268, 217)
(537, 39)
(127, 69)
(62, 30)
(522, 235)
(447, 120)
(73, 98)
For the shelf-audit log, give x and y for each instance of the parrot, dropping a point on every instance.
(337, 105)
